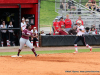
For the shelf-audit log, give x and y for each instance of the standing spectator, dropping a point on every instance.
(4, 34)
(73, 31)
(71, 5)
(89, 4)
(35, 39)
(68, 23)
(11, 32)
(93, 26)
(23, 24)
(56, 25)
(61, 22)
(62, 31)
(27, 22)
(79, 19)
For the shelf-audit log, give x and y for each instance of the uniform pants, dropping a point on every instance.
(25, 41)
(78, 38)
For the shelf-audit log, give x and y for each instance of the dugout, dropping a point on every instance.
(11, 10)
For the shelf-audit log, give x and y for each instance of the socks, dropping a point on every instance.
(75, 47)
(8, 44)
(88, 46)
(19, 52)
(33, 50)
(2, 43)
(37, 44)
(32, 42)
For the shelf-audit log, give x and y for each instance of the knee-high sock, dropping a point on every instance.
(33, 50)
(88, 46)
(75, 47)
(2, 43)
(7, 42)
(19, 52)
(37, 44)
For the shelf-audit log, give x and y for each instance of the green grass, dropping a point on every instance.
(48, 52)
(47, 12)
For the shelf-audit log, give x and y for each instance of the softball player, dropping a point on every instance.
(25, 40)
(23, 24)
(81, 31)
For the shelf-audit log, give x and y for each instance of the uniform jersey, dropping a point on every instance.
(68, 23)
(3, 31)
(26, 32)
(10, 26)
(34, 32)
(81, 22)
(56, 25)
(61, 23)
(80, 33)
(23, 25)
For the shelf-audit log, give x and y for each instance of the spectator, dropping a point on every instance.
(4, 34)
(89, 4)
(62, 6)
(87, 32)
(27, 21)
(95, 29)
(94, 5)
(62, 31)
(35, 39)
(73, 31)
(11, 33)
(79, 19)
(68, 23)
(23, 24)
(92, 30)
(56, 25)
(42, 33)
(71, 5)
(98, 10)
(61, 22)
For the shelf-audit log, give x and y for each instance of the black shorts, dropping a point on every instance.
(78, 38)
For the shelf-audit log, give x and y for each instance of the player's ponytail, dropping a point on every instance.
(27, 26)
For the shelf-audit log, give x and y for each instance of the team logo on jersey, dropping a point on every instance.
(28, 33)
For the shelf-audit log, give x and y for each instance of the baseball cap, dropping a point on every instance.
(27, 19)
(34, 27)
(61, 18)
(56, 18)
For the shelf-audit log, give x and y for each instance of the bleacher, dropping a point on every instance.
(88, 16)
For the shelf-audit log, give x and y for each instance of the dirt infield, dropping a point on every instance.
(51, 64)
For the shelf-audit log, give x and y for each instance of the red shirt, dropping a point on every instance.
(81, 22)
(56, 25)
(61, 32)
(61, 23)
(68, 23)
(26, 32)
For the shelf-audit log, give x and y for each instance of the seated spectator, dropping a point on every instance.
(11, 33)
(80, 20)
(73, 31)
(87, 32)
(92, 31)
(89, 4)
(35, 39)
(61, 22)
(4, 34)
(71, 5)
(62, 6)
(94, 5)
(62, 31)
(98, 10)
(67, 23)
(95, 29)
(56, 25)
(42, 33)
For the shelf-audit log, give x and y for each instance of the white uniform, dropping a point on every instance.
(23, 25)
(80, 33)
(3, 31)
(11, 31)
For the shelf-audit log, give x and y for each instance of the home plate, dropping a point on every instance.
(16, 56)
